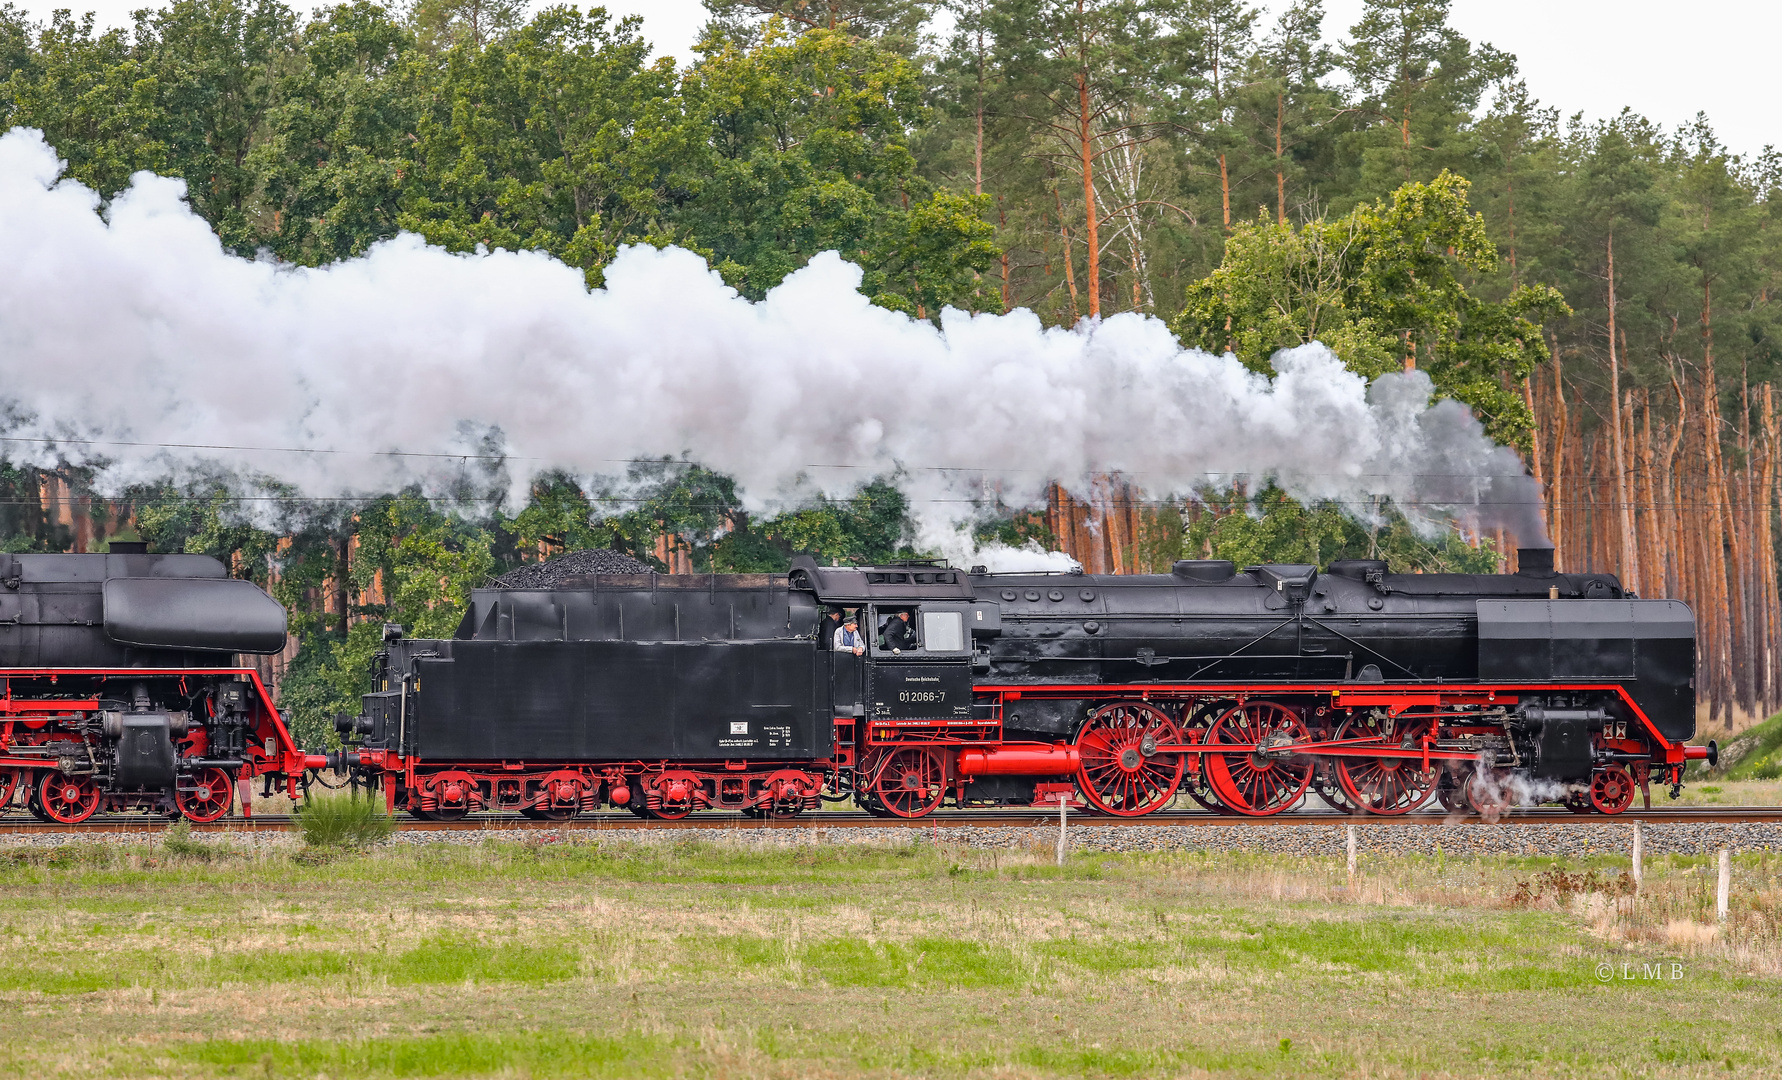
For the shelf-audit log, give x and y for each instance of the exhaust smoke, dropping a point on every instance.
(137, 331)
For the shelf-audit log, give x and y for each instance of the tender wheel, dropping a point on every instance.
(1258, 783)
(1121, 772)
(1612, 789)
(909, 784)
(209, 798)
(67, 799)
(448, 813)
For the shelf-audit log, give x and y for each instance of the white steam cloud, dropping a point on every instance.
(138, 331)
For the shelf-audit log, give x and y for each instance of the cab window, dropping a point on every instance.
(943, 631)
(898, 629)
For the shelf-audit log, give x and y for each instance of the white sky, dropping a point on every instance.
(1667, 61)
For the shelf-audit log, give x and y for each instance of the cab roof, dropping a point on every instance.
(916, 580)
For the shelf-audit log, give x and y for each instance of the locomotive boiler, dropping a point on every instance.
(1245, 690)
(120, 686)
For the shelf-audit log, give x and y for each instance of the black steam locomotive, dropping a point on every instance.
(1245, 690)
(120, 687)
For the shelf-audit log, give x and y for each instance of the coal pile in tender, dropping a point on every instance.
(553, 572)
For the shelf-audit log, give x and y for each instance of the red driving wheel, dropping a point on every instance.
(1385, 785)
(208, 797)
(68, 799)
(1119, 768)
(909, 782)
(1257, 782)
(1611, 789)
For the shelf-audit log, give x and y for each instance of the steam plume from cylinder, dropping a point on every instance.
(134, 341)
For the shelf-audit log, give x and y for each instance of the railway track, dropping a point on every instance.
(840, 819)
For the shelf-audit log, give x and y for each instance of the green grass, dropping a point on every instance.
(344, 821)
(598, 959)
(1754, 754)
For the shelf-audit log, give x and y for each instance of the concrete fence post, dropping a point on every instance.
(1723, 894)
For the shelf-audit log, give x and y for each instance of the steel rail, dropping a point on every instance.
(842, 819)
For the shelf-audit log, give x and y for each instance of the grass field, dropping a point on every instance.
(591, 960)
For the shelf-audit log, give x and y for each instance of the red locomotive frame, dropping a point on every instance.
(62, 786)
(1253, 749)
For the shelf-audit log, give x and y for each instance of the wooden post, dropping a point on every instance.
(1721, 894)
(1639, 856)
(1349, 842)
(1063, 821)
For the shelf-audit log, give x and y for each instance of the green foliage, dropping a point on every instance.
(1381, 285)
(343, 821)
(560, 137)
(1269, 527)
(809, 152)
(178, 842)
(1755, 754)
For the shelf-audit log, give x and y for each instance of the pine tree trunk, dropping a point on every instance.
(1560, 518)
(1630, 563)
(1070, 272)
(1280, 176)
(1225, 193)
(1092, 228)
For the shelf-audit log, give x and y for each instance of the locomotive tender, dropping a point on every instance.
(1244, 689)
(120, 686)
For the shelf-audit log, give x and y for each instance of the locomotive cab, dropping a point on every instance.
(914, 617)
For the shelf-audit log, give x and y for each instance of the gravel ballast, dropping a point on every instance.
(1454, 840)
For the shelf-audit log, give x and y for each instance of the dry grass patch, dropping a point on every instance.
(601, 959)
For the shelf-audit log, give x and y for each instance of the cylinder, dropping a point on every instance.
(1035, 760)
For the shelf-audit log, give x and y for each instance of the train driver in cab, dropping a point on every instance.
(848, 638)
(897, 633)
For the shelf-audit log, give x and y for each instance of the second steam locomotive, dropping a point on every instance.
(1244, 689)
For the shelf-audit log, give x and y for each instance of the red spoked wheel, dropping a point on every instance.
(1385, 786)
(1119, 768)
(9, 785)
(909, 782)
(1258, 782)
(1612, 789)
(209, 797)
(67, 799)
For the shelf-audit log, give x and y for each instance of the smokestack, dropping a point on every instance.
(1535, 561)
